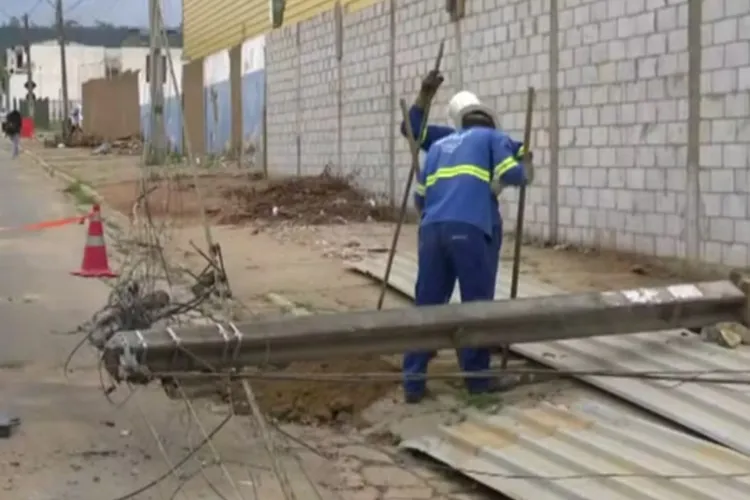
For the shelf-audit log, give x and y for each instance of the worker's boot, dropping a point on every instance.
(412, 399)
(504, 383)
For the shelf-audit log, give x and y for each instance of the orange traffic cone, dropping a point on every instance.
(95, 263)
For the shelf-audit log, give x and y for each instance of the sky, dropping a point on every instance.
(87, 12)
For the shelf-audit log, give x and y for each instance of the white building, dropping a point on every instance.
(84, 62)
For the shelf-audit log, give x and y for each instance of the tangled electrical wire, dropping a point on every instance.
(130, 307)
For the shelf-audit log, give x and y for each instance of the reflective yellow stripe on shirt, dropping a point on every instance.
(419, 189)
(521, 152)
(458, 170)
(504, 166)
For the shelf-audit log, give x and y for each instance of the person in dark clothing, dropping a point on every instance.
(12, 128)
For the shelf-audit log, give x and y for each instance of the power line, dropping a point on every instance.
(32, 9)
(4, 13)
(74, 6)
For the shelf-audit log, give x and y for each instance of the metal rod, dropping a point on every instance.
(29, 73)
(63, 69)
(518, 243)
(413, 171)
(157, 141)
(558, 317)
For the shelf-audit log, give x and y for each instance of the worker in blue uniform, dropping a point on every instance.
(433, 133)
(456, 194)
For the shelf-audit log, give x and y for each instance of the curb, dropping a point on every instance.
(117, 220)
(114, 223)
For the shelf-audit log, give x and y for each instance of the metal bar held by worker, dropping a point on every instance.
(518, 243)
(414, 169)
(139, 356)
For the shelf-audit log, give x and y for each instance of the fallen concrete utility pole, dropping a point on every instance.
(137, 356)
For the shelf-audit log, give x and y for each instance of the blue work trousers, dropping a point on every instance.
(495, 247)
(450, 251)
(15, 140)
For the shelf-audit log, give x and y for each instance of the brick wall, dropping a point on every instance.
(641, 125)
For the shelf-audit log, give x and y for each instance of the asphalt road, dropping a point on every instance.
(71, 443)
(39, 298)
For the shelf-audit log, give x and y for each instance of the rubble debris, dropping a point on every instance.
(726, 334)
(104, 149)
(130, 145)
(323, 199)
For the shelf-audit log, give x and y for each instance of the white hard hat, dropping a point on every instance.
(465, 102)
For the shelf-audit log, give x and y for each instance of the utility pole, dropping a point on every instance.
(157, 142)
(63, 68)
(29, 76)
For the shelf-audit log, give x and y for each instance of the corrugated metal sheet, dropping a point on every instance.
(720, 412)
(218, 102)
(301, 10)
(213, 25)
(355, 5)
(404, 274)
(587, 452)
(253, 82)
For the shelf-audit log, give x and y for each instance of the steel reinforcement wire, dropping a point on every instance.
(155, 482)
(154, 237)
(694, 376)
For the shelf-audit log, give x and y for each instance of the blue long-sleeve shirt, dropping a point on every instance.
(430, 134)
(433, 133)
(455, 183)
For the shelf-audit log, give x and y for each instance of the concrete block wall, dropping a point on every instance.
(282, 100)
(318, 77)
(725, 132)
(623, 80)
(366, 100)
(641, 121)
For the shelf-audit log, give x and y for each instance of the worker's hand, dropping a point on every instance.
(528, 171)
(429, 88)
(432, 82)
(497, 187)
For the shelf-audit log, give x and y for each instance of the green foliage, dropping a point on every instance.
(102, 34)
(80, 192)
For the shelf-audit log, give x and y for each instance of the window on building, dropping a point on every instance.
(112, 67)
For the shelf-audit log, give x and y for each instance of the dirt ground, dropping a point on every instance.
(317, 403)
(291, 263)
(234, 198)
(285, 240)
(103, 458)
